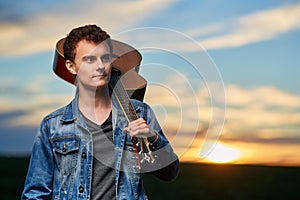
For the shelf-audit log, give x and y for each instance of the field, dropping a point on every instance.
(195, 181)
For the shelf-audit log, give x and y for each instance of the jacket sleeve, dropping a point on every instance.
(166, 164)
(38, 183)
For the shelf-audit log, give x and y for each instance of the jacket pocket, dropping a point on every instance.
(66, 153)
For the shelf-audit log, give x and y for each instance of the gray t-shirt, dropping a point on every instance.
(103, 178)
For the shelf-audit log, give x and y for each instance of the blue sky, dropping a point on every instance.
(254, 46)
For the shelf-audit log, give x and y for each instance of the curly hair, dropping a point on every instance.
(91, 33)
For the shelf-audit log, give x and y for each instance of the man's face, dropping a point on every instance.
(92, 64)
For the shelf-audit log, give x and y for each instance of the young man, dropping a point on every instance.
(87, 149)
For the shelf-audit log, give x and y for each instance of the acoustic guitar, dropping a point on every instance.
(125, 83)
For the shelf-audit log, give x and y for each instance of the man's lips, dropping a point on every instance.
(99, 75)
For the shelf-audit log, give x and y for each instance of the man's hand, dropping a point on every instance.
(139, 128)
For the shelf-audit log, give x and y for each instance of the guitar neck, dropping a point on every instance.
(122, 98)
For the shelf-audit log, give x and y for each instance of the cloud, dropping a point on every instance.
(261, 113)
(268, 95)
(33, 99)
(258, 113)
(41, 30)
(259, 119)
(256, 27)
(243, 30)
(32, 109)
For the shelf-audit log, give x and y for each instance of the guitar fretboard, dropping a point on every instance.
(122, 97)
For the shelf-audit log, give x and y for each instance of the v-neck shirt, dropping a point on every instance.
(103, 177)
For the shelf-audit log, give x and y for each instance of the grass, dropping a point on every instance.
(195, 181)
(13, 173)
(203, 181)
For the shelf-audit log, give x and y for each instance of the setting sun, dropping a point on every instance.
(223, 154)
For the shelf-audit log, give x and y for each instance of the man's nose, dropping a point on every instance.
(100, 65)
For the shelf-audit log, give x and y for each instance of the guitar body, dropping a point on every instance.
(134, 84)
(127, 60)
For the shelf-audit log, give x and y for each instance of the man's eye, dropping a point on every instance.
(106, 58)
(90, 59)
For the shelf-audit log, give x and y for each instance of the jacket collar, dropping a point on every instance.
(71, 112)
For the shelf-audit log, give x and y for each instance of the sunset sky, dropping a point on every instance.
(223, 77)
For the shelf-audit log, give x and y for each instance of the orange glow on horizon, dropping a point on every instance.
(223, 154)
(247, 153)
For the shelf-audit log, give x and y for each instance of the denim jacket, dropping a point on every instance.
(61, 161)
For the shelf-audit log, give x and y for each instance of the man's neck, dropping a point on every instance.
(95, 104)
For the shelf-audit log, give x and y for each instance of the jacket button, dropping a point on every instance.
(64, 148)
(83, 155)
(81, 189)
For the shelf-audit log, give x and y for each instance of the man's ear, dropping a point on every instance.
(71, 67)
